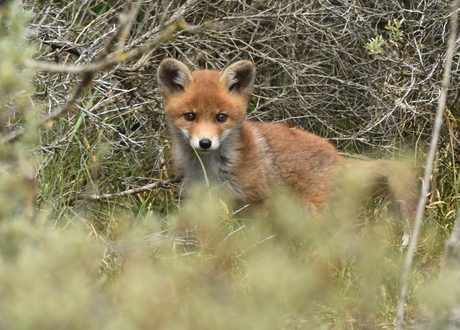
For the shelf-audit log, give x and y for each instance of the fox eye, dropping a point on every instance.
(189, 116)
(221, 117)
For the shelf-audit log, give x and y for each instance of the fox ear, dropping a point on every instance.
(173, 76)
(238, 78)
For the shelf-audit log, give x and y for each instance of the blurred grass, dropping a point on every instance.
(227, 274)
(135, 262)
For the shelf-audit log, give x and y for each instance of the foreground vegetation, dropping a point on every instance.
(130, 261)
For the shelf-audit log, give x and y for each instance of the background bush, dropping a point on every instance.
(364, 74)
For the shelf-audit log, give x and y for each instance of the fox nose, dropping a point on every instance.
(205, 143)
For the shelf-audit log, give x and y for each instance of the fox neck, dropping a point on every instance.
(217, 165)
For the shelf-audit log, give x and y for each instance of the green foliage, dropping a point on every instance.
(204, 269)
(395, 29)
(375, 46)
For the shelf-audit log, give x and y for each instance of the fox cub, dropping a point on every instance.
(206, 112)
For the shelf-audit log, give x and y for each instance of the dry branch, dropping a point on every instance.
(48, 120)
(428, 169)
(149, 187)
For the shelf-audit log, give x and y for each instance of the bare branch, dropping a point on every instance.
(428, 170)
(168, 184)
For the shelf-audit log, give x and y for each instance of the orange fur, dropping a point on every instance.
(206, 112)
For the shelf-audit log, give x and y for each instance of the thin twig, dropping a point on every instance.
(151, 186)
(428, 170)
(117, 58)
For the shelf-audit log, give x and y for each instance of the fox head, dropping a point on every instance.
(205, 106)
